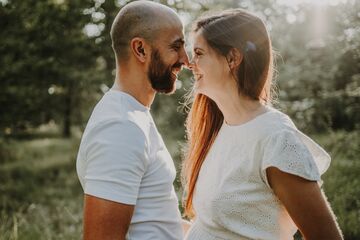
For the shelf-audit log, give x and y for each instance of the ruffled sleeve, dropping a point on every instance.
(293, 152)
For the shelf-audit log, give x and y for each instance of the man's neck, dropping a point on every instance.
(136, 85)
(132, 80)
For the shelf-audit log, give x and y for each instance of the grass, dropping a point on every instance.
(342, 182)
(41, 198)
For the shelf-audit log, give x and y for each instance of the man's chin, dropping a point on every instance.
(170, 90)
(167, 86)
(173, 79)
(167, 91)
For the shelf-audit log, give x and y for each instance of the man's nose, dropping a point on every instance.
(185, 59)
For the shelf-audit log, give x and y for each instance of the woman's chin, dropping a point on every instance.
(202, 91)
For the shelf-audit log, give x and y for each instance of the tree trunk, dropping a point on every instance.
(68, 111)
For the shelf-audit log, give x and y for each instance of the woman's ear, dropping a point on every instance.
(139, 49)
(234, 58)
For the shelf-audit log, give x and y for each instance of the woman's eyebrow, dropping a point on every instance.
(198, 49)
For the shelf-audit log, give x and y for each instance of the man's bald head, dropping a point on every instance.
(143, 19)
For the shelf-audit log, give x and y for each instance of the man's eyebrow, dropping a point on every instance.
(178, 41)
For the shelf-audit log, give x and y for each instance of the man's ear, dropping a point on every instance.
(234, 58)
(139, 48)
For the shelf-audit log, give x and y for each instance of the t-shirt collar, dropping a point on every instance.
(130, 99)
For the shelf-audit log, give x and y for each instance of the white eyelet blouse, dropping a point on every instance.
(233, 199)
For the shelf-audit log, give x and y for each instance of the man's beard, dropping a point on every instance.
(161, 77)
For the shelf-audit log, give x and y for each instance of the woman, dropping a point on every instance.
(249, 173)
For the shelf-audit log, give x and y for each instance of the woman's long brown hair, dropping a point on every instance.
(230, 29)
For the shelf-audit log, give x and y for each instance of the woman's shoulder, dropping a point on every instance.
(274, 123)
(282, 137)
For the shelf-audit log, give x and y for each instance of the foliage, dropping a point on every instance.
(57, 60)
(46, 58)
(319, 67)
(341, 182)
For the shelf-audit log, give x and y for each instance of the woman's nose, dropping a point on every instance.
(185, 59)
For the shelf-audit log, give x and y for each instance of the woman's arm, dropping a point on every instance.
(306, 204)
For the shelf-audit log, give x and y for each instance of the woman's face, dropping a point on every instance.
(210, 69)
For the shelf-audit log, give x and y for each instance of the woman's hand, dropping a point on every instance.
(185, 225)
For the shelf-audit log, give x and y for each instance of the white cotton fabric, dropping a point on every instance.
(123, 158)
(232, 198)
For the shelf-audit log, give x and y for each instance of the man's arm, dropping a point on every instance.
(105, 220)
(306, 205)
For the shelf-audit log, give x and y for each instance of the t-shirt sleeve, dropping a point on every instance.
(292, 152)
(116, 160)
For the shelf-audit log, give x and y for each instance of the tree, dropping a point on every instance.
(46, 58)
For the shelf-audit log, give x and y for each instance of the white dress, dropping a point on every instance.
(232, 198)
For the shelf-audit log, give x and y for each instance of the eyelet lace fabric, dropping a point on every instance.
(232, 197)
(293, 152)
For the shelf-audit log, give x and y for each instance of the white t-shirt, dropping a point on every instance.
(233, 199)
(123, 158)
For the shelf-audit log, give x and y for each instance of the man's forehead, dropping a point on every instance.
(172, 35)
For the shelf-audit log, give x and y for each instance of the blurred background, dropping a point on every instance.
(56, 63)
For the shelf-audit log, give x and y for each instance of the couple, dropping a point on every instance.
(249, 173)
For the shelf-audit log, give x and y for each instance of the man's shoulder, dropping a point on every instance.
(117, 116)
(138, 118)
(124, 128)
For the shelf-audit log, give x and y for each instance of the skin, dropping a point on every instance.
(105, 219)
(131, 76)
(171, 49)
(303, 199)
(306, 204)
(214, 79)
(186, 226)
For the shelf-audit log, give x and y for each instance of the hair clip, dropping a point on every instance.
(250, 46)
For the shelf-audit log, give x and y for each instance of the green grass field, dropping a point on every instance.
(41, 198)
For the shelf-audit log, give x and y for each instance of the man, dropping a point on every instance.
(123, 165)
